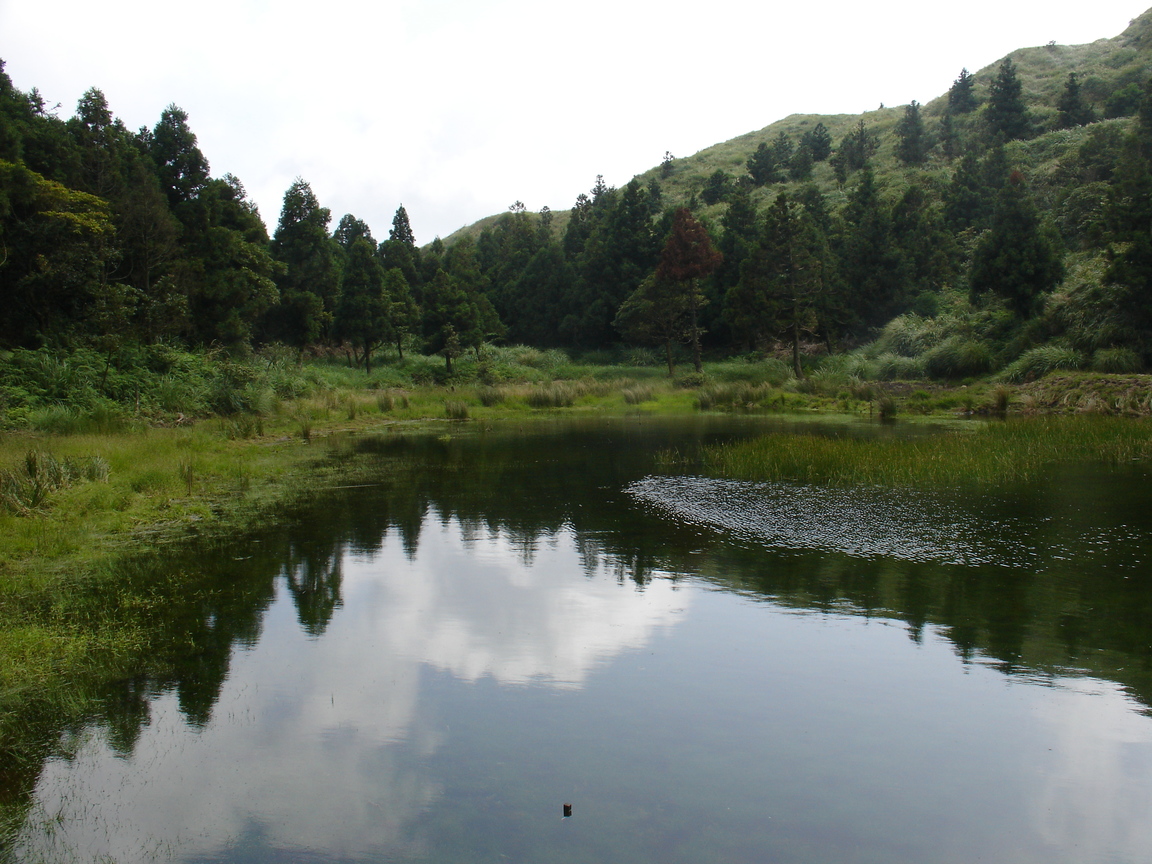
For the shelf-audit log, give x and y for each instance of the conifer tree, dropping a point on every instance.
(781, 281)
(1071, 109)
(820, 142)
(310, 280)
(182, 168)
(762, 165)
(1006, 115)
(400, 250)
(912, 143)
(962, 94)
(1019, 258)
(362, 315)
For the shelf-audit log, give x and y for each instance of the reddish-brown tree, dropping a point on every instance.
(687, 256)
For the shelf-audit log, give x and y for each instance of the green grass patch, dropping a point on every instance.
(1022, 449)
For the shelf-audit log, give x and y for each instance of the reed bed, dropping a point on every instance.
(1017, 451)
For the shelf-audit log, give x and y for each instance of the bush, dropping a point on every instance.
(455, 410)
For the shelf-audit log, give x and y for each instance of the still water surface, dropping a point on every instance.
(430, 668)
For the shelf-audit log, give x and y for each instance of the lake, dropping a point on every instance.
(429, 666)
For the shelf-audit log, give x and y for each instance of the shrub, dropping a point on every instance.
(456, 410)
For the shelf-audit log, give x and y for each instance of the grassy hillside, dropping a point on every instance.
(1103, 67)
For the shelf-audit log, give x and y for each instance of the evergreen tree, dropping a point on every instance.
(227, 272)
(949, 138)
(400, 250)
(800, 167)
(820, 142)
(362, 315)
(869, 260)
(451, 318)
(762, 166)
(962, 94)
(1071, 109)
(1006, 115)
(781, 280)
(782, 151)
(350, 229)
(912, 143)
(856, 150)
(310, 281)
(620, 251)
(717, 187)
(181, 167)
(1129, 220)
(1019, 258)
(403, 313)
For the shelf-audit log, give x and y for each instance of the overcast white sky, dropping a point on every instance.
(457, 108)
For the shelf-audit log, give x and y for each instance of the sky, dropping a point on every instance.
(458, 108)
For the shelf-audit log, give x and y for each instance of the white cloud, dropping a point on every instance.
(458, 108)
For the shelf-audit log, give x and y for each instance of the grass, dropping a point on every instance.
(1022, 449)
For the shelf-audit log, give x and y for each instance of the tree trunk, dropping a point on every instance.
(695, 331)
(796, 342)
(668, 354)
(367, 358)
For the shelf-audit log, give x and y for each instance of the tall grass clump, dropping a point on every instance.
(491, 396)
(1038, 362)
(455, 410)
(958, 357)
(638, 393)
(737, 396)
(559, 394)
(26, 488)
(1018, 450)
(1117, 361)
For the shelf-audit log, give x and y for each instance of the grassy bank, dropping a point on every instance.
(1021, 449)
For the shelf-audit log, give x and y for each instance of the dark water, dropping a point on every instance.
(428, 669)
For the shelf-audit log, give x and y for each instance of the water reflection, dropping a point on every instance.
(424, 668)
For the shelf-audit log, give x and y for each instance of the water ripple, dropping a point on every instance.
(864, 522)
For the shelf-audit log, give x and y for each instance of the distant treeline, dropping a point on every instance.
(109, 236)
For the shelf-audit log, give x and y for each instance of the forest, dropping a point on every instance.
(1005, 228)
